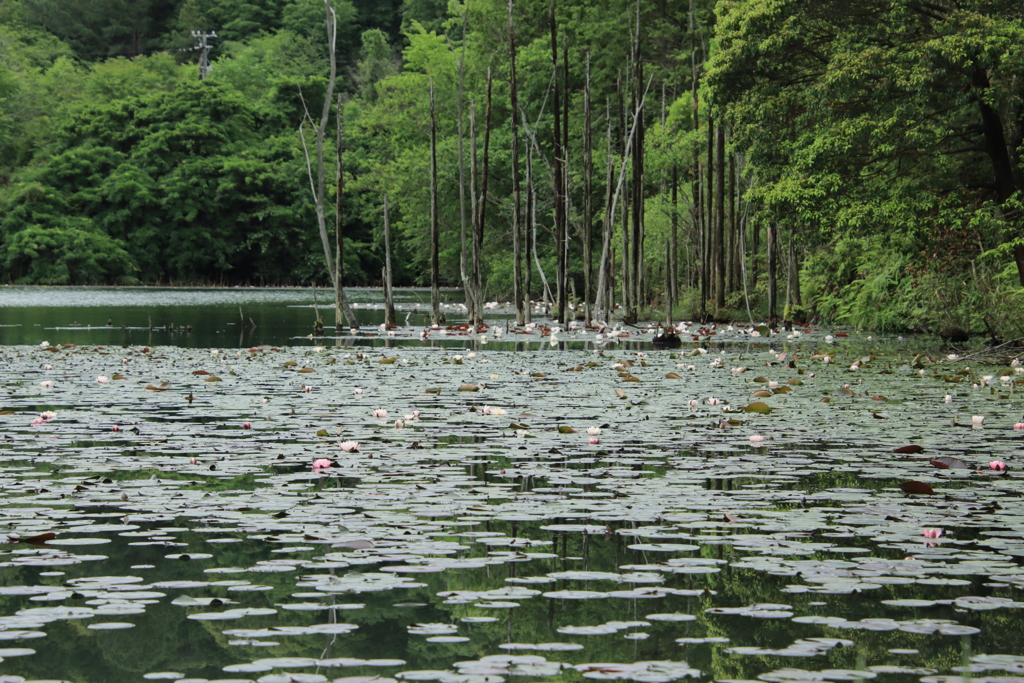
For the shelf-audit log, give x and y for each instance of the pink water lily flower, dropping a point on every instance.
(46, 384)
(998, 465)
(399, 424)
(380, 412)
(1018, 426)
(593, 439)
(756, 438)
(349, 446)
(357, 391)
(977, 420)
(932, 533)
(321, 463)
(48, 415)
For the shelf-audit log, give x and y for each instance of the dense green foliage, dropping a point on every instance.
(881, 142)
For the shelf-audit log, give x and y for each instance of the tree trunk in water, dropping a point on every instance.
(528, 227)
(588, 173)
(673, 265)
(340, 302)
(698, 201)
(559, 155)
(467, 284)
(773, 318)
(720, 242)
(517, 275)
(626, 280)
(478, 235)
(389, 301)
(435, 297)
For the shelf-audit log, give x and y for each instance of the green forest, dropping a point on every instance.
(854, 162)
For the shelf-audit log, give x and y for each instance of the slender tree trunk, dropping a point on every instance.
(673, 265)
(529, 226)
(773, 318)
(474, 213)
(588, 178)
(389, 300)
(559, 153)
(698, 199)
(626, 280)
(734, 241)
(435, 237)
(606, 263)
(719, 213)
(638, 194)
(467, 284)
(517, 296)
(478, 235)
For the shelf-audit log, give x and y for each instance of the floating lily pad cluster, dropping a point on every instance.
(422, 514)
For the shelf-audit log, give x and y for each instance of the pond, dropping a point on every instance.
(800, 507)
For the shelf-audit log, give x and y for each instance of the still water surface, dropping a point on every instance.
(546, 515)
(198, 317)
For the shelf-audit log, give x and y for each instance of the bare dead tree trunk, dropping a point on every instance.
(389, 300)
(517, 274)
(773, 317)
(467, 286)
(478, 235)
(529, 225)
(719, 213)
(435, 296)
(559, 154)
(339, 241)
(317, 183)
(588, 173)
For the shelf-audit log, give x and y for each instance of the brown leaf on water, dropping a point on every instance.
(150, 387)
(39, 539)
(673, 375)
(200, 372)
(912, 448)
(620, 393)
(917, 488)
(469, 387)
(946, 463)
(761, 393)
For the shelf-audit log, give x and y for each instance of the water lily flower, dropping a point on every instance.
(357, 391)
(1015, 363)
(977, 420)
(713, 401)
(416, 414)
(952, 356)
(380, 412)
(399, 424)
(115, 428)
(47, 367)
(593, 440)
(773, 385)
(48, 415)
(349, 446)
(593, 431)
(246, 425)
(1018, 426)
(948, 398)
(998, 465)
(46, 384)
(44, 344)
(826, 360)
(102, 379)
(38, 420)
(321, 463)
(193, 461)
(756, 438)
(693, 403)
(932, 533)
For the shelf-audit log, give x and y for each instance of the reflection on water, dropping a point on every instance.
(198, 317)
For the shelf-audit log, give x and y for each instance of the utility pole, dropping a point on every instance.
(204, 51)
